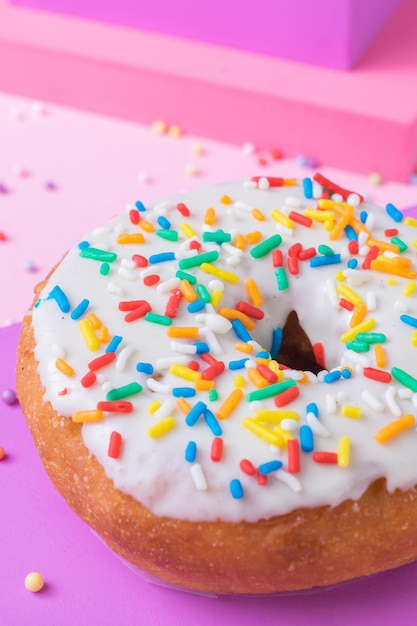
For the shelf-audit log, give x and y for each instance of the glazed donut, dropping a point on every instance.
(221, 384)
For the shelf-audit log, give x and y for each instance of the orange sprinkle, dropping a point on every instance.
(239, 241)
(392, 268)
(210, 216)
(190, 332)
(395, 428)
(87, 416)
(358, 227)
(64, 367)
(103, 335)
(358, 314)
(258, 215)
(256, 378)
(125, 238)
(146, 226)
(204, 385)
(94, 320)
(225, 199)
(230, 404)
(380, 356)
(340, 225)
(187, 290)
(253, 292)
(382, 245)
(241, 346)
(289, 182)
(253, 237)
(183, 405)
(234, 314)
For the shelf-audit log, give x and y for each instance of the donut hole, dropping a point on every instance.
(296, 350)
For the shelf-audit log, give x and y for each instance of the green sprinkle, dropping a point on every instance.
(213, 395)
(358, 346)
(271, 390)
(164, 320)
(371, 337)
(219, 236)
(123, 392)
(104, 269)
(203, 292)
(198, 259)
(171, 235)
(404, 378)
(326, 250)
(282, 280)
(98, 255)
(266, 246)
(402, 246)
(186, 276)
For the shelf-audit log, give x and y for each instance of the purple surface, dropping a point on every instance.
(87, 584)
(333, 33)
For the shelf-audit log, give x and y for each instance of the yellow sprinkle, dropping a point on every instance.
(222, 274)
(153, 406)
(253, 292)
(380, 356)
(183, 405)
(225, 199)
(94, 320)
(187, 291)
(234, 314)
(34, 582)
(414, 338)
(184, 332)
(414, 243)
(147, 227)
(340, 276)
(274, 438)
(210, 216)
(258, 215)
(87, 416)
(175, 131)
(349, 294)
(272, 416)
(215, 297)
(253, 237)
(358, 314)
(188, 230)
(103, 335)
(256, 378)
(285, 434)
(339, 207)
(363, 327)
(274, 367)
(64, 367)
(410, 288)
(262, 360)
(229, 404)
(241, 346)
(159, 127)
(182, 371)
(348, 410)
(343, 452)
(162, 427)
(125, 238)
(328, 225)
(88, 335)
(204, 385)
(239, 381)
(410, 221)
(281, 218)
(391, 281)
(319, 216)
(394, 428)
(239, 242)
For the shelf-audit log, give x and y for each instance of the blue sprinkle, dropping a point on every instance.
(308, 187)
(144, 368)
(393, 212)
(191, 452)
(161, 257)
(114, 344)
(183, 392)
(197, 305)
(212, 423)
(263, 355)
(80, 309)
(306, 438)
(140, 206)
(237, 365)
(407, 319)
(350, 233)
(270, 466)
(312, 408)
(236, 489)
(331, 377)
(60, 298)
(346, 373)
(352, 264)
(196, 411)
(240, 331)
(201, 347)
(276, 342)
(164, 223)
(327, 259)
(83, 245)
(363, 216)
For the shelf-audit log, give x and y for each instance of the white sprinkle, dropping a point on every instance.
(332, 293)
(58, 351)
(162, 208)
(255, 345)
(355, 278)
(370, 221)
(230, 249)
(198, 477)
(317, 190)
(289, 424)
(263, 183)
(400, 306)
(340, 397)
(211, 340)
(363, 250)
(126, 273)
(331, 404)
(405, 393)
(115, 290)
(414, 400)
(248, 148)
(158, 387)
(249, 184)
(363, 238)
(293, 203)
(316, 426)
(288, 479)
(123, 357)
(371, 301)
(168, 285)
(353, 199)
(294, 374)
(216, 285)
(372, 401)
(184, 348)
(250, 363)
(216, 323)
(233, 261)
(357, 358)
(164, 363)
(391, 402)
(243, 206)
(336, 197)
(165, 409)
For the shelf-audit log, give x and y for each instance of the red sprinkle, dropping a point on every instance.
(88, 379)
(273, 181)
(151, 280)
(372, 254)
(325, 457)
(173, 303)
(131, 305)
(185, 211)
(318, 351)
(353, 246)
(213, 371)
(140, 311)
(391, 232)
(134, 216)
(375, 374)
(293, 456)
(307, 253)
(2, 453)
(139, 260)
(277, 258)
(116, 406)
(295, 249)
(268, 374)
(193, 365)
(331, 186)
(262, 478)
(115, 444)
(208, 358)
(250, 310)
(195, 245)
(345, 304)
(299, 218)
(247, 467)
(101, 361)
(287, 396)
(293, 265)
(216, 451)
(63, 392)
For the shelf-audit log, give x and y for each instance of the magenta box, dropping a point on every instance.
(330, 33)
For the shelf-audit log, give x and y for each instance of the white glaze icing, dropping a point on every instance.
(154, 470)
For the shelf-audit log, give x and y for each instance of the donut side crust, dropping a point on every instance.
(309, 547)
